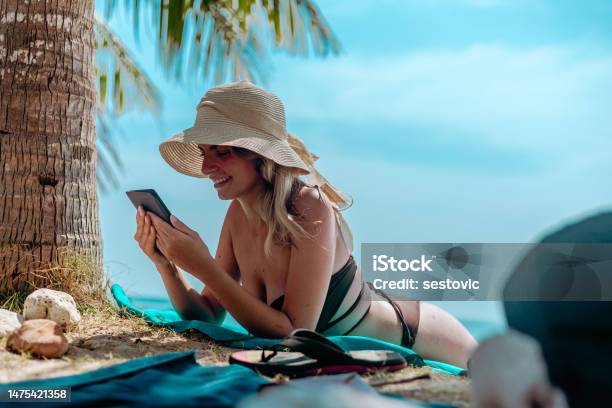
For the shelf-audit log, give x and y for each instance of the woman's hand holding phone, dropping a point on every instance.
(181, 245)
(146, 235)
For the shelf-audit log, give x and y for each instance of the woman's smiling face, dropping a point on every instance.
(232, 174)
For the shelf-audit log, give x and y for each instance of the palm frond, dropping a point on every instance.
(118, 79)
(129, 81)
(224, 39)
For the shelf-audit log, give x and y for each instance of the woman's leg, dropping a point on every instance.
(440, 336)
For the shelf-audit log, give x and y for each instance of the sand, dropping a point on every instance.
(104, 338)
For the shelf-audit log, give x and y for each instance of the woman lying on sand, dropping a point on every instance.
(284, 255)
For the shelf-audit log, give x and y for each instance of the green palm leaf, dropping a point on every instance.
(118, 79)
(224, 39)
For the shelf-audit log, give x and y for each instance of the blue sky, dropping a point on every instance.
(445, 120)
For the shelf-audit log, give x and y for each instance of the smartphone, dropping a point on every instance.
(150, 201)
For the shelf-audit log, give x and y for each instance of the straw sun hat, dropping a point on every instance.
(243, 115)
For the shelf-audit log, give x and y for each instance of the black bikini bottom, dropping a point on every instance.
(408, 312)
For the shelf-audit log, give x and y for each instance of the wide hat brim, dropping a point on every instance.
(182, 153)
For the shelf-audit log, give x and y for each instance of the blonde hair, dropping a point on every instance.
(281, 184)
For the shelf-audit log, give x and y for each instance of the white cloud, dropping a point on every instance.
(503, 96)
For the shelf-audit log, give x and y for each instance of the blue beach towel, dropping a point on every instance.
(164, 380)
(235, 336)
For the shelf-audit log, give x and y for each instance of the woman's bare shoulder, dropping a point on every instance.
(311, 204)
(233, 214)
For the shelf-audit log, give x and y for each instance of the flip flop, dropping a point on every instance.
(305, 352)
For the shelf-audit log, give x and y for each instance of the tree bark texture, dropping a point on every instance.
(48, 198)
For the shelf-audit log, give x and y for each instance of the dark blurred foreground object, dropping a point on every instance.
(575, 336)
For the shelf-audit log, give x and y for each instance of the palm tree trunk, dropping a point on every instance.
(48, 198)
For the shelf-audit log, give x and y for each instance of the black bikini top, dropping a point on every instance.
(339, 285)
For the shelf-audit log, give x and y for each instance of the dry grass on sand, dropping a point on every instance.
(104, 337)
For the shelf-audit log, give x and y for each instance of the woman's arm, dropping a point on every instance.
(185, 300)
(190, 304)
(312, 260)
